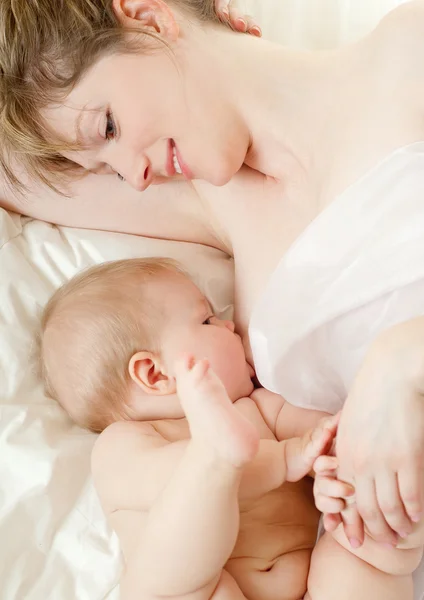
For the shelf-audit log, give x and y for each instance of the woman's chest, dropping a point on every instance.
(263, 225)
(262, 231)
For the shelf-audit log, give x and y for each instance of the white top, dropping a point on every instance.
(356, 270)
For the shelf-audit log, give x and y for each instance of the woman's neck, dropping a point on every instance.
(285, 99)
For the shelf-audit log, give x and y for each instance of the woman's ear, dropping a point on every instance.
(148, 14)
(146, 370)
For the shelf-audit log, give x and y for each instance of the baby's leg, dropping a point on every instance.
(370, 573)
(192, 528)
(283, 580)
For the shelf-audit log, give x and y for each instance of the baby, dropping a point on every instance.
(195, 468)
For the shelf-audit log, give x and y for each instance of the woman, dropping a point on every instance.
(285, 134)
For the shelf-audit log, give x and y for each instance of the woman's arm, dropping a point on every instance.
(380, 442)
(168, 211)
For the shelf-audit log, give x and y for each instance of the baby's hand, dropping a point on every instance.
(331, 495)
(301, 453)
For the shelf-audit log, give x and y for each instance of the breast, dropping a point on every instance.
(259, 219)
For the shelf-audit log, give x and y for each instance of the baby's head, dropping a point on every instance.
(110, 338)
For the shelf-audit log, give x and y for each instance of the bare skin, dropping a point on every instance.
(371, 111)
(368, 101)
(203, 473)
(278, 520)
(171, 480)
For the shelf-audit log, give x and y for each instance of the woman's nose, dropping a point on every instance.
(140, 176)
(134, 167)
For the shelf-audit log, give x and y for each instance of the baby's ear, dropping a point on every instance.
(147, 371)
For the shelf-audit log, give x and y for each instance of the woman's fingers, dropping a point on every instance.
(229, 13)
(371, 513)
(411, 488)
(390, 502)
(353, 525)
(252, 27)
(237, 19)
(331, 522)
(221, 9)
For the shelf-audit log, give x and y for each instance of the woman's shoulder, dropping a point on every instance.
(396, 53)
(401, 35)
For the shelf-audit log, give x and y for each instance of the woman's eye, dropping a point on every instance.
(110, 130)
(207, 321)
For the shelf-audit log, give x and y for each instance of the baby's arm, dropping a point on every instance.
(285, 420)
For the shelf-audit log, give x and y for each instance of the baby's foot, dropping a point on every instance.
(213, 420)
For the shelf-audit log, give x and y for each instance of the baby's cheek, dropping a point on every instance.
(231, 368)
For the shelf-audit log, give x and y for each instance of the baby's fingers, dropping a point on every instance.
(325, 504)
(320, 443)
(326, 465)
(333, 488)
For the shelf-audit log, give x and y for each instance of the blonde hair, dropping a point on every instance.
(90, 329)
(46, 46)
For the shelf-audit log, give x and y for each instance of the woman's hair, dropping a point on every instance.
(91, 328)
(46, 46)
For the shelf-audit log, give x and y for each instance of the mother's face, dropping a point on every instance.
(160, 114)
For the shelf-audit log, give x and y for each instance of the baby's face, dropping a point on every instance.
(190, 326)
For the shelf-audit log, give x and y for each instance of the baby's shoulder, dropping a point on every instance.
(122, 436)
(121, 452)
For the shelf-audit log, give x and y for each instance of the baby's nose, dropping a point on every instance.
(230, 325)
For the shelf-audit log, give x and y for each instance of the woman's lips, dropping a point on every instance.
(169, 167)
(175, 165)
(184, 168)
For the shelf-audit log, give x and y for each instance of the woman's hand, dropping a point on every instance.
(380, 443)
(228, 13)
(332, 496)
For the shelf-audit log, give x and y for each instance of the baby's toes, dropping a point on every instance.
(189, 371)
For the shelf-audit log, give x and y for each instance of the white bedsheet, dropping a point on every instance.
(54, 543)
